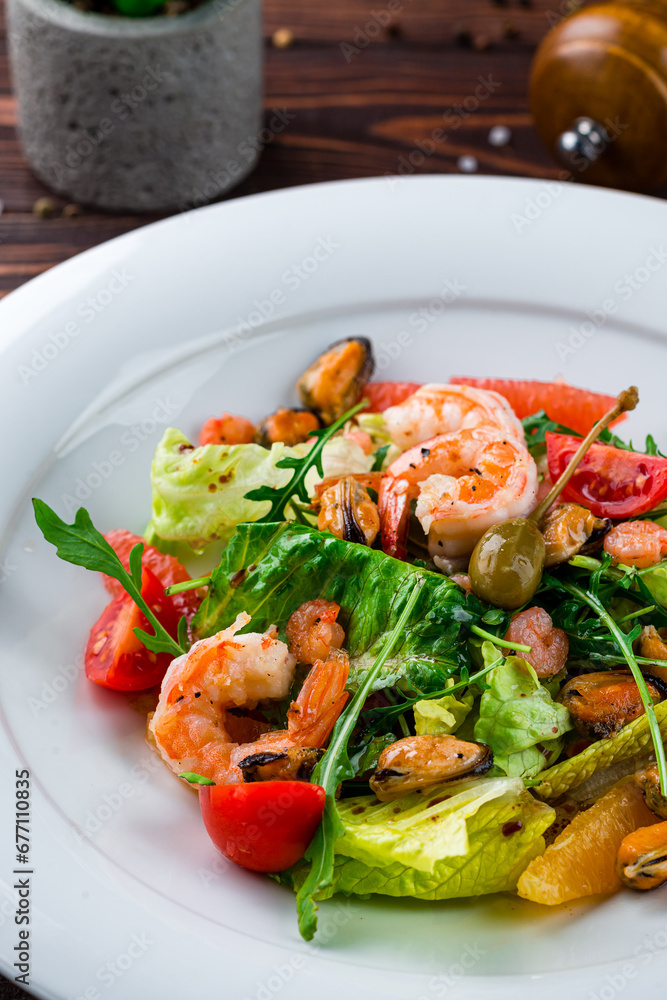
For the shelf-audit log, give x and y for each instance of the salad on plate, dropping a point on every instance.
(430, 659)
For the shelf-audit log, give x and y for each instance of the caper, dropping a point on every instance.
(507, 562)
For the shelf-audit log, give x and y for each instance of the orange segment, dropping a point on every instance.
(582, 859)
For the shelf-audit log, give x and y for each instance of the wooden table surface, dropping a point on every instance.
(356, 115)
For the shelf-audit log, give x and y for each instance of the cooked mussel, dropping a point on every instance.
(652, 645)
(642, 857)
(421, 761)
(289, 426)
(290, 764)
(337, 379)
(602, 703)
(570, 529)
(347, 511)
(648, 779)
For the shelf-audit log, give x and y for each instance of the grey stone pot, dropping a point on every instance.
(141, 114)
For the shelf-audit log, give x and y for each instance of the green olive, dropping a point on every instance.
(507, 562)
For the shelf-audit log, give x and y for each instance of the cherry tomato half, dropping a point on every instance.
(167, 569)
(115, 658)
(265, 826)
(576, 408)
(382, 395)
(611, 482)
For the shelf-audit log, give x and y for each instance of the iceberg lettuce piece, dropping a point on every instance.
(374, 425)
(428, 860)
(441, 716)
(199, 492)
(631, 740)
(517, 714)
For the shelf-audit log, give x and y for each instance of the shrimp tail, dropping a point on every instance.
(394, 510)
(322, 698)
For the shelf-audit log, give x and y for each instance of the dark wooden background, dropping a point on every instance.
(353, 118)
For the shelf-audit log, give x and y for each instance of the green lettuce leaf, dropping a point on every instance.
(442, 716)
(482, 837)
(656, 581)
(517, 714)
(269, 570)
(199, 493)
(631, 740)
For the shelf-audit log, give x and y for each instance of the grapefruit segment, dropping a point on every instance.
(575, 408)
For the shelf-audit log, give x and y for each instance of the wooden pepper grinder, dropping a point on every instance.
(599, 93)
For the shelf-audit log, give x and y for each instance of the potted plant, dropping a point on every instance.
(129, 108)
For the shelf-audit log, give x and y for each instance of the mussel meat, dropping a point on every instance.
(290, 764)
(337, 379)
(642, 857)
(602, 703)
(347, 511)
(648, 779)
(287, 426)
(421, 761)
(570, 529)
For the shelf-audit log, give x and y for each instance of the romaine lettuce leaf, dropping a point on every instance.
(437, 859)
(517, 714)
(199, 492)
(442, 716)
(631, 740)
(269, 570)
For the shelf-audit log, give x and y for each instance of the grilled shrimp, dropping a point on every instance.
(440, 409)
(312, 630)
(549, 646)
(464, 482)
(191, 725)
(637, 543)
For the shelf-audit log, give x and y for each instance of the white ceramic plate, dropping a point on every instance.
(448, 276)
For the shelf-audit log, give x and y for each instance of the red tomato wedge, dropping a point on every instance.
(609, 481)
(265, 826)
(575, 408)
(115, 658)
(382, 395)
(167, 569)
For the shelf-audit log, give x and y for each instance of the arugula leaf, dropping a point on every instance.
(280, 497)
(334, 767)
(196, 779)
(269, 570)
(82, 544)
(537, 426)
(380, 456)
(625, 641)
